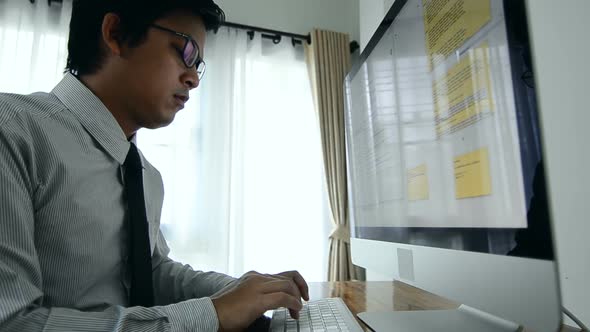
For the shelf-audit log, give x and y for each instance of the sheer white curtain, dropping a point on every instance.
(33, 45)
(242, 163)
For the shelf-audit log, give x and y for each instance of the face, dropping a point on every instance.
(154, 80)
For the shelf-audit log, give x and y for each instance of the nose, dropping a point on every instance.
(191, 78)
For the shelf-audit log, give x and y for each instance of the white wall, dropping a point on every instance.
(371, 13)
(299, 16)
(561, 54)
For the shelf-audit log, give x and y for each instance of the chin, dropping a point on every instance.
(159, 123)
(165, 123)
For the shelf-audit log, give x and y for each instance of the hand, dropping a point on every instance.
(247, 298)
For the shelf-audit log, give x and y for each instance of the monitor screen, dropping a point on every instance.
(443, 142)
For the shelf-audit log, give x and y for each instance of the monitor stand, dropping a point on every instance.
(463, 318)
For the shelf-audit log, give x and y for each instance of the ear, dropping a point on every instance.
(110, 33)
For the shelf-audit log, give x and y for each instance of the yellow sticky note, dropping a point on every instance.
(472, 174)
(464, 93)
(418, 183)
(449, 23)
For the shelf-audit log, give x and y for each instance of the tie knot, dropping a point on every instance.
(133, 160)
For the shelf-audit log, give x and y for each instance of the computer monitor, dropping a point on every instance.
(445, 166)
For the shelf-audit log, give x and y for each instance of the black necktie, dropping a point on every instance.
(140, 260)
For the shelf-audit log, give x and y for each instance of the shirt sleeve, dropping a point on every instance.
(22, 303)
(174, 282)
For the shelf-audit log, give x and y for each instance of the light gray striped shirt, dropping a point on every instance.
(63, 244)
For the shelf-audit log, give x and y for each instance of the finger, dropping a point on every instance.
(285, 286)
(294, 314)
(276, 300)
(299, 281)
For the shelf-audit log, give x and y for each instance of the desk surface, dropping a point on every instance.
(381, 296)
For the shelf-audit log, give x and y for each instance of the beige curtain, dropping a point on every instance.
(328, 60)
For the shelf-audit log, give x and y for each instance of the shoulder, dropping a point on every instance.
(26, 126)
(27, 108)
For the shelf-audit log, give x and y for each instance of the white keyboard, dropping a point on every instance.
(325, 315)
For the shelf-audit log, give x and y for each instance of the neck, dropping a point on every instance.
(110, 95)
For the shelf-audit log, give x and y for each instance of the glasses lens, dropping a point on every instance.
(201, 69)
(190, 54)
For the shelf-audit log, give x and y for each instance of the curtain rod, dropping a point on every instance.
(276, 35)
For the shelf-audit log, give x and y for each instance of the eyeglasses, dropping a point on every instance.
(190, 52)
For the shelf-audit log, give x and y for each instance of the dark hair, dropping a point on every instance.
(85, 54)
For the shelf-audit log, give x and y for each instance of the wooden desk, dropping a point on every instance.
(381, 296)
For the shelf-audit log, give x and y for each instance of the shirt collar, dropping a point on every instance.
(93, 115)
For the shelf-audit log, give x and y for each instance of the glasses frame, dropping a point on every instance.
(188, 39)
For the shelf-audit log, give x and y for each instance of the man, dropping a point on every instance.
(80, 245)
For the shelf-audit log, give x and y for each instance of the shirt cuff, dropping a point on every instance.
(194, 315)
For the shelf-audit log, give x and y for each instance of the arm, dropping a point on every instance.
(174, 282)
(23, 304)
